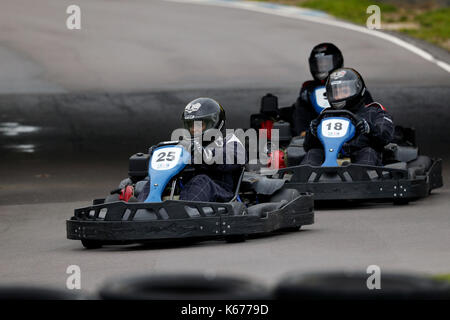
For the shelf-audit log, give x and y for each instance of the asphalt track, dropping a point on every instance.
(76, 104)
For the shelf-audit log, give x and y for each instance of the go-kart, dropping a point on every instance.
(260, 205)
(404, 176)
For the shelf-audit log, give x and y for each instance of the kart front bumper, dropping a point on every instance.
(353, 182)
(223, 219)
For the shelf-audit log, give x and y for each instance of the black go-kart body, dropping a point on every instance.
(405, 175)
(260, 205)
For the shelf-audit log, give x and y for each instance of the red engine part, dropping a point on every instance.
(126, 193)
(267, 124)
(276, 160)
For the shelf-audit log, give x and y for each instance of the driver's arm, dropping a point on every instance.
(232, 156)
(381, 125)
(301, 116)
(311, 141)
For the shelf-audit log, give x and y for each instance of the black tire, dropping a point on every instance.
(353, 285)
(182, 287)
(291, 229)
(236, 238)
(91, 244)
(36, 293)
(401, 202)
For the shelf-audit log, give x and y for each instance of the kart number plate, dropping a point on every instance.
(321, 98)
(334, 128)
(165, 158)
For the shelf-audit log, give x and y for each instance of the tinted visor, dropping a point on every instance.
(202, 123)
(342, 89)
(321, 65)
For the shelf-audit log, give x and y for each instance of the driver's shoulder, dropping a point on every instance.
(376, 105)
(309, 85)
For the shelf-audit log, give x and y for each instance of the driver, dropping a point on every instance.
(324, 58)
(374, 128)
(214, 181)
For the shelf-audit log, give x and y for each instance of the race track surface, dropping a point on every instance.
(75, 104)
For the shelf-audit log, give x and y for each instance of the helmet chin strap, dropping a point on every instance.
(221, 125)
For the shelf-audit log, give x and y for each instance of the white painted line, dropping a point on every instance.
(317, 17)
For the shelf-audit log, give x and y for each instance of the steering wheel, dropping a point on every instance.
(338, 113)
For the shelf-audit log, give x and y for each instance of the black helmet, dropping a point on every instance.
(325, 57)
(207, 110)
(345, 89)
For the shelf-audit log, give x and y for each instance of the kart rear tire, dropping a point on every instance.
(91, 244)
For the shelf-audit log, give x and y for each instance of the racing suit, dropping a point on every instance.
(303, 111)
(213, 182)
(365, 149)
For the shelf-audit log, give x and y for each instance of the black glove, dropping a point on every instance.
(313, 126)
(362, 126)
(205, 153)
(186, 144)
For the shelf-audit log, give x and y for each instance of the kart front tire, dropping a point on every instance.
(401, 202)
(91, 244)
(291, 229)
(236, 238)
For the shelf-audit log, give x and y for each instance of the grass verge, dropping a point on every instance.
(426, 20)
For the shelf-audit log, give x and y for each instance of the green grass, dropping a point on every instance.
(351, 10)
(443, 277)
(434, 26)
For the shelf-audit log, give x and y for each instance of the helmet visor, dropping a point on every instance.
(342, 89)
(322, 65)
(198, 125)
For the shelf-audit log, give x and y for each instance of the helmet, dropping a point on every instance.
(207, 110)
(345, 89)
(325, 57)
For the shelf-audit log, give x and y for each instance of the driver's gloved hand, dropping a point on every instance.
(362, 126)
(313, 127)
(198, 149)
(186, 144)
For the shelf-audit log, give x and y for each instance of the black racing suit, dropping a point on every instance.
(213, 182)
(216, 182)
(365, 149)
(303, 111)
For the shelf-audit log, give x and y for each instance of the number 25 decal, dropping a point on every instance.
(162, 156)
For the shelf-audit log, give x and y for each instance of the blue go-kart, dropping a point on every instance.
(404, 176)
(260, 205)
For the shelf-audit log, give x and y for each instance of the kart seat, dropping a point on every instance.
(395, 152)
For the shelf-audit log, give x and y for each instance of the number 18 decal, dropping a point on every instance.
(334, 128)
(165, 158)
